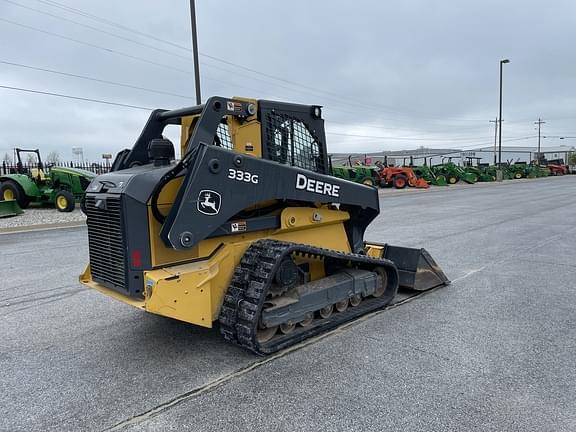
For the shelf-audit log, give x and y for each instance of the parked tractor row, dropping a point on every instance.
(379, 175)
(444, 174)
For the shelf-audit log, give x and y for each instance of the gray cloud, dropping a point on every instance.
(422, 69)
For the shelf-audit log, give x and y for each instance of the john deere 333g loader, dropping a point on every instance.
(247, 229)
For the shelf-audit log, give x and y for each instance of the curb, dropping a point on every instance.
(41, 227)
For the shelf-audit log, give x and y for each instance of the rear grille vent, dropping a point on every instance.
(106, 243)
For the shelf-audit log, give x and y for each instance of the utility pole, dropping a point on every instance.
(539, 123)
(195, 52)
(495, 136)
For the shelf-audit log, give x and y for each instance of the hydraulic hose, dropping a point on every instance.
(177, 169)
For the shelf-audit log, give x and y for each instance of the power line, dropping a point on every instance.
(108, 22)
(189, 97)
(132, 56)
(85, 14)
(402, 138)
(75, 97)
(84, 77)
(163, 51)
(157, 64)
(100, 101)
(113, 83)
(93, 45)
(187, 49)
(96, 29)
(102, 48)
(469, 145)
(186, 58)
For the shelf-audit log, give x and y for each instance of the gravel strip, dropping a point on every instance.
(41, 216)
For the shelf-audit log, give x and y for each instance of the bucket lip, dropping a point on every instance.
(413, 261)
(10, 208)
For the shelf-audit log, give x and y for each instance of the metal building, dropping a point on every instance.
(484, 155)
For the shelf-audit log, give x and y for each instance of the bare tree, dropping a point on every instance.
(53, 158)
(7, 159)
(31, 159)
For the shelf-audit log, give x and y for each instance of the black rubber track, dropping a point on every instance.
(244, 300)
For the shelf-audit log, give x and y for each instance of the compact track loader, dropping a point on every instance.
(247, 228)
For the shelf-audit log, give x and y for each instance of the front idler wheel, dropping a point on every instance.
(379, 292)
(286, 277)
(264, 334)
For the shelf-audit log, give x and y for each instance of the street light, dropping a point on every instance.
(499, 175)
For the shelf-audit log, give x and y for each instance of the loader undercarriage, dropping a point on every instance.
(247, 316)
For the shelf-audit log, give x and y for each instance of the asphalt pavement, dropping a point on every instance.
(494, 351)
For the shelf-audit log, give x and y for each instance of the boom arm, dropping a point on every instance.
(234, 182)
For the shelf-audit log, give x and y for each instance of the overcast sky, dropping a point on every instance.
(391, 75)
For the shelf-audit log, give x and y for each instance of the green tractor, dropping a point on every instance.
(59, 186)
(517, 170)
(475, 167)
(492, 170)
(480, 174)
(536, 171)
(357, 173)
(454, 173)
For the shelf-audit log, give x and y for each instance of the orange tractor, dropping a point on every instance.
(400, 177)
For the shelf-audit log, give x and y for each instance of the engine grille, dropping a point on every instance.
(106, 243)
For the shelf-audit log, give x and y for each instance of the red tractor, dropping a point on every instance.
(400, 177)
(557, 167)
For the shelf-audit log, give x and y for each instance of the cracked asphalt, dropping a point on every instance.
(494, 351)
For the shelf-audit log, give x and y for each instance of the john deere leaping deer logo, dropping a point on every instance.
(209, 202)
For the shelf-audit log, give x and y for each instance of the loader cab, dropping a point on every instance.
(289, 134)
(246, 166)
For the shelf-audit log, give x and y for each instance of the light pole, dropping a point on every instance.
(499, 175)
(195, 51)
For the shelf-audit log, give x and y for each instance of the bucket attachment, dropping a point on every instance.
(416, 268)
(469, 178)
(9, 208)
(421, 184)
(441, 181)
